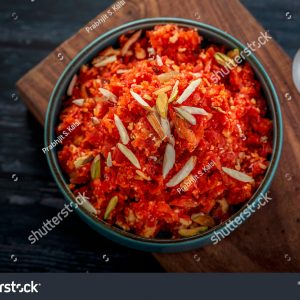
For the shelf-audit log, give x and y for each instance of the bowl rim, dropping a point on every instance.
(129, 239)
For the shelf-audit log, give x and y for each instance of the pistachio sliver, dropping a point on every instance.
(96, 167)
(109, 160)
(174, 92)
(111, 206)
(203, 219)
(187, 232)
(162, 104)
(233, 53)
(82, 160)
(224, 60)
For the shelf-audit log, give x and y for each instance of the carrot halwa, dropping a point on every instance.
(163, 149)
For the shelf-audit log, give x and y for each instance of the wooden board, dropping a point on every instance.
(270, 239)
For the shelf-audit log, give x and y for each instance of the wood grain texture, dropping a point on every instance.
(269, 241)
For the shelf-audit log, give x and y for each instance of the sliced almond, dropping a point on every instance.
(109, 160)
(169, 160)
(71, 85)
(173, 39)
(187, 116)
(82, 160)
(165, 124)
(78, 102)
(159, 60)
(262, 166)
(151, 51)
(140, 100)
(105, 61)
(95, 120)
(195, 110)
(171, 139)
(199, 75)
(108, 95)
(129, 155)
(192, 231)
(154, 158)
(189, 91)
(130, 42)
(162, 104)
(110, 51)
(237, 175)
(167, 76)
(96, 168)
(85, 204)
(185, 222)
(155, 123)
(122, 130)
(203, 219)
(110, 207)
(174, 92)
(183, 173)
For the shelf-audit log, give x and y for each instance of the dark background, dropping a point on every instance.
(30, 30)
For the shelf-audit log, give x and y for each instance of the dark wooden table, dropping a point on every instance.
(29, 31)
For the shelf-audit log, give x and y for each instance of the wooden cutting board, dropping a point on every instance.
(270, 239)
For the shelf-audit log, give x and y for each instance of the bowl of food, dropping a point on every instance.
(169, 128)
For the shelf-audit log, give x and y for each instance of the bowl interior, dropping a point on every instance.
(210, 34)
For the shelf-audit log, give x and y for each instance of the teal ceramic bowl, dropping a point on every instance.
(110, 38)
